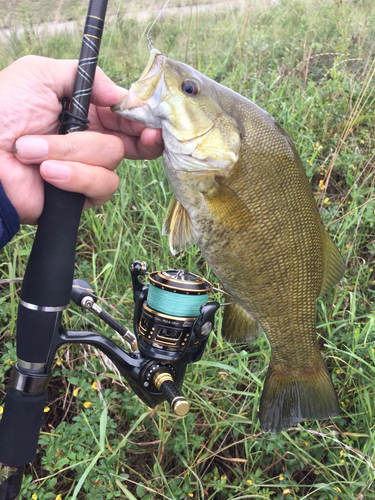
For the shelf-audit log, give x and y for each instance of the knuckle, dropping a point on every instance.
(71, 146)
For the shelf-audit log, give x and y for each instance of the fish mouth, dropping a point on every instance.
(147, 90)
(154, 64)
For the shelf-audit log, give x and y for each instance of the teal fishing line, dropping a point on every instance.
(175, 304)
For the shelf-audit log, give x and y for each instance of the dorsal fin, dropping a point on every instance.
(178, 226)
(238, 325)
(334, 266)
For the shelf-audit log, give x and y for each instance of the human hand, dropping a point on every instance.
(31, 90)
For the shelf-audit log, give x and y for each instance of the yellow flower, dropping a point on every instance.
(249, 481)
(190, 495)
(325, 200)
(341, 453)
(223, 478)
(59, 497)
(348, 245)
(34, 496)
(281, 477)
(58, 363)
(76, 391)
(1, 410)
(87, 404)
(94, 386)
(46, 409)
(287, 491)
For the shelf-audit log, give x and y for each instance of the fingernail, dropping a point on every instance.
(31, 148)
(55, 171)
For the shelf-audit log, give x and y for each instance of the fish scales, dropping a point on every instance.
(244, 198)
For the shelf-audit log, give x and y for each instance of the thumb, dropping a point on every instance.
(59, 76)
(105, 92)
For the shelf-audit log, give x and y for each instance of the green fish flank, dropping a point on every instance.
(243, 197)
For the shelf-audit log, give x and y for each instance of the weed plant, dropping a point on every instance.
(312, 66)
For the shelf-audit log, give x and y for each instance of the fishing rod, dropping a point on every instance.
(172, 318)
(47, 283)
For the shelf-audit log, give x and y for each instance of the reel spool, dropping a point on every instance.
(174, 321)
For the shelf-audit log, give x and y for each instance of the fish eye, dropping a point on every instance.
(190, 88)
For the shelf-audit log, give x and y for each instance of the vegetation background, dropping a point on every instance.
(311, 65)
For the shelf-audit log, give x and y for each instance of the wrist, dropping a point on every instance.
(9, 219)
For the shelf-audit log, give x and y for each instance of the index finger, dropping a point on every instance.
(89, 147)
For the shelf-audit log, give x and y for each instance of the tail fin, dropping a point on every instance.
(288, 398)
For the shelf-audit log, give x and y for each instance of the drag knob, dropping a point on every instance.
(163, 381)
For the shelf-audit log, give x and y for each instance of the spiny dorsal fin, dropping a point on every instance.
(334, 266)
(238, 325)
(178, 226)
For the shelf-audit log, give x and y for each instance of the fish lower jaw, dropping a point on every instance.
(134, 108)
(142, 114)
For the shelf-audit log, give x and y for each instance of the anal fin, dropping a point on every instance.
(334, 266)
(178, 226)
(239, 325)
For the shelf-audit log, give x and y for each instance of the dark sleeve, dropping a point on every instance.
(9, 220)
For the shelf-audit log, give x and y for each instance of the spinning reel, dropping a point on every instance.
(172, 323)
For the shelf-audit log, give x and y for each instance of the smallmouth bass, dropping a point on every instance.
(241, 194)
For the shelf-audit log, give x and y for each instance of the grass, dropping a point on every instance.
(311, 65)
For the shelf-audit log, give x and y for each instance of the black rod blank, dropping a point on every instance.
(49, 274)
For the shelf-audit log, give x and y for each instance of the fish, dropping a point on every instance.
(242, 195)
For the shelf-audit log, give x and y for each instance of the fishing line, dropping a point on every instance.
(222, 304)
(175, 304)
(111, 34)
(150, 44)
(108, 45)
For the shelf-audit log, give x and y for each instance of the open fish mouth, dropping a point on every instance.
(147, 90)
(154, 64)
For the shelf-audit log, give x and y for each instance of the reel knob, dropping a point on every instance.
(164, 382)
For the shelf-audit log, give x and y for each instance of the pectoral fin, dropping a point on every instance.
(226, 206)
(239, 325)
(178, 226)
(334, 266)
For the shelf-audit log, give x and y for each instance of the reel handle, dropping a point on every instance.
(164, 382)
